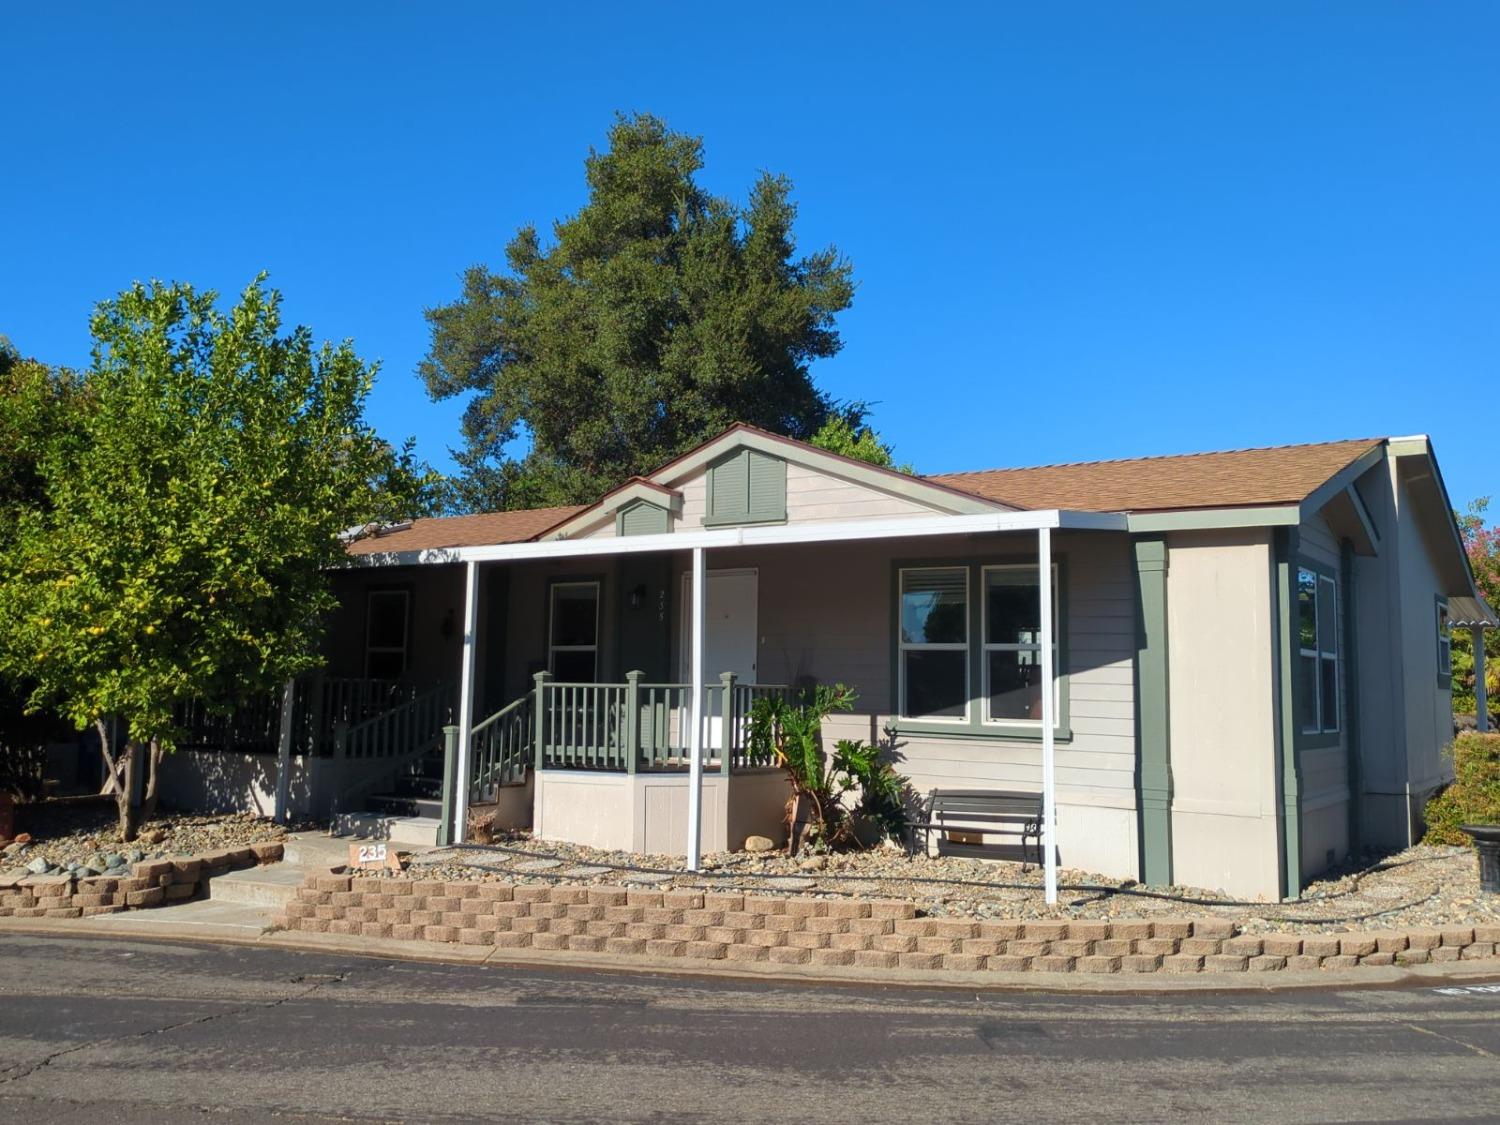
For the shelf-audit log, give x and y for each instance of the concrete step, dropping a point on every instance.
(257, 886)
(421, 830)
(210, 918)
(396, 804)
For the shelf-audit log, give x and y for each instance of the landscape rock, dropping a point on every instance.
(759, 844)
(39, 866)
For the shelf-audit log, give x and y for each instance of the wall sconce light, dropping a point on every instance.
(638, 596)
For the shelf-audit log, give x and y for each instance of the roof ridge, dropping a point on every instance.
(1159, 457)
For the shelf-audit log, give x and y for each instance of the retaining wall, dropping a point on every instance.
(153, 882)
(872, 934)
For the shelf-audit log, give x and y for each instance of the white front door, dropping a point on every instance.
(731, 638)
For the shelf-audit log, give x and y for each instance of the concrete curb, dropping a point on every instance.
(391, 949)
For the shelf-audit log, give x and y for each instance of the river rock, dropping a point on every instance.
(759, 844)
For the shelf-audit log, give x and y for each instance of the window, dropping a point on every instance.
(1444, 642)
(1012, 644)
(386, 633)
(1318, 652)
(573, 636)
(934, 643)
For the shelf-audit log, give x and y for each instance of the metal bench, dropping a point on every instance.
(979, 810)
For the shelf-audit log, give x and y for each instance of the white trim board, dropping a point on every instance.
(906, 528)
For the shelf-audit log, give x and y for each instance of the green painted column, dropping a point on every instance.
(1349, 647)
(1285, 606)
(1152, 713)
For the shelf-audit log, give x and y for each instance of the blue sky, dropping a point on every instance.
(1080, 230)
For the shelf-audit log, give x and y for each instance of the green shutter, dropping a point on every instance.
(747, 487)
(641, 517)
(729, 489)
(767, 487)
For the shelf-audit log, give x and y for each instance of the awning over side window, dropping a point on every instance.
(1469, 612)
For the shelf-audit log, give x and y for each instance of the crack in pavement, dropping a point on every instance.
(325, 979)
(1476, 1048)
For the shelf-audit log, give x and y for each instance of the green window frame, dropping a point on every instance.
(1444, 644)
(976, 645)
(1317, 626)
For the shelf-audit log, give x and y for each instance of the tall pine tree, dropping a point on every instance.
(658, 315)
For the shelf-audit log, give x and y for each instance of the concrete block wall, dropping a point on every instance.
(803, 930)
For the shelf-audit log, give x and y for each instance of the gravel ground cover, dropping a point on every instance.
(1419, 887)
(70, 836)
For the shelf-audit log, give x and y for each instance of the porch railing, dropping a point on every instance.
(500, 749)
(407, 729)
(640, 726)
(320, 705)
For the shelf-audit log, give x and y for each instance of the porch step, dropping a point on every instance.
(398, 804)
(257, 886)
(419, 787)
(397, 829)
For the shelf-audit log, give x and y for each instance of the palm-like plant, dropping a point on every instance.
(790, 735)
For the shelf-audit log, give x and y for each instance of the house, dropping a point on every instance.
(1246, 651)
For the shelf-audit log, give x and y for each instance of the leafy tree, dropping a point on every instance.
(849, 434)
(658, 315)
(1482, 542)
(180, 549)
(39, 406)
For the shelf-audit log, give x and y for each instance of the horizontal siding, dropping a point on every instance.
(826, 613)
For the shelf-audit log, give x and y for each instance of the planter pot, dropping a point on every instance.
(1486, 839)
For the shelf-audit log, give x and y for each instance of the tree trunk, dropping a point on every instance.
(154, 760)
(130, 812)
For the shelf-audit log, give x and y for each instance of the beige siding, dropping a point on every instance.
(826, 613)
(1221, 673)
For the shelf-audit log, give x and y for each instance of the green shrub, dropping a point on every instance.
(790, 735)
(1474, 796)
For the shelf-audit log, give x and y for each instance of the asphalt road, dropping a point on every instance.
(120, 1032)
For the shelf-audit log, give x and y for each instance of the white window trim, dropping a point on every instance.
(903, 647)
(986, 646)
(552, 648)
(405, 645)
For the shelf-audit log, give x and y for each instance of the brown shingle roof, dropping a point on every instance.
(1240, 478)
(465, 531)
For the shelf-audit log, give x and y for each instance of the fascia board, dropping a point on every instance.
(831, 532)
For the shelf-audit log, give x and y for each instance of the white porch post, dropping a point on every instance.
(465, 703)
(284, 753)
(695, 735)
(1481, 702)
(1049, 719)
